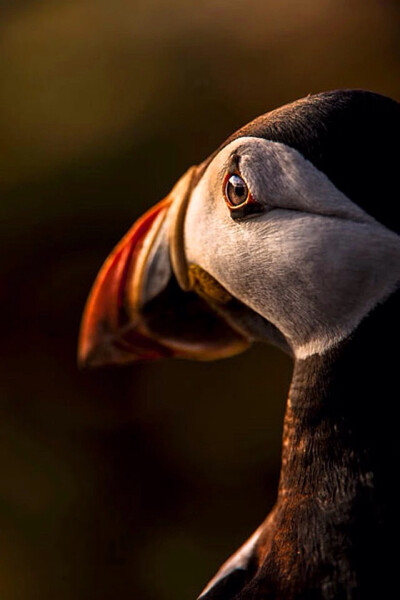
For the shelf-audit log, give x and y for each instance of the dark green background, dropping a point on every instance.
(138, 482)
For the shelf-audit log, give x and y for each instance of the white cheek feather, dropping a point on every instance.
(314, 264)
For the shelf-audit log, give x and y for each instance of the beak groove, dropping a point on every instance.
(181, 192)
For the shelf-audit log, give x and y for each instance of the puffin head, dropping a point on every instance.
(286, 234)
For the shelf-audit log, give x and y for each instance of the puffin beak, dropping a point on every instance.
(143, 304)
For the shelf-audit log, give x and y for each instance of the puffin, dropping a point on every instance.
(287, 234)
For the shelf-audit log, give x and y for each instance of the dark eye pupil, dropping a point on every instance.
(236, 190)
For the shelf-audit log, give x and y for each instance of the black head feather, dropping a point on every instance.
(352, 136)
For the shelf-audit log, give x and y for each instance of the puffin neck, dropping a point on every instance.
(335, 505)
(342, 398)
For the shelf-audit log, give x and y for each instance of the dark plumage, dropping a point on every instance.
(331, 534)
(352, 136)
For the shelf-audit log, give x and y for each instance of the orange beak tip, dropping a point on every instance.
(104, 337)
(103, 349)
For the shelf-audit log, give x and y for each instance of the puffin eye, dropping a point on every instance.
(236, 190)
(238, 197)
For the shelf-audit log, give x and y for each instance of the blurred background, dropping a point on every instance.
(138, 482)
